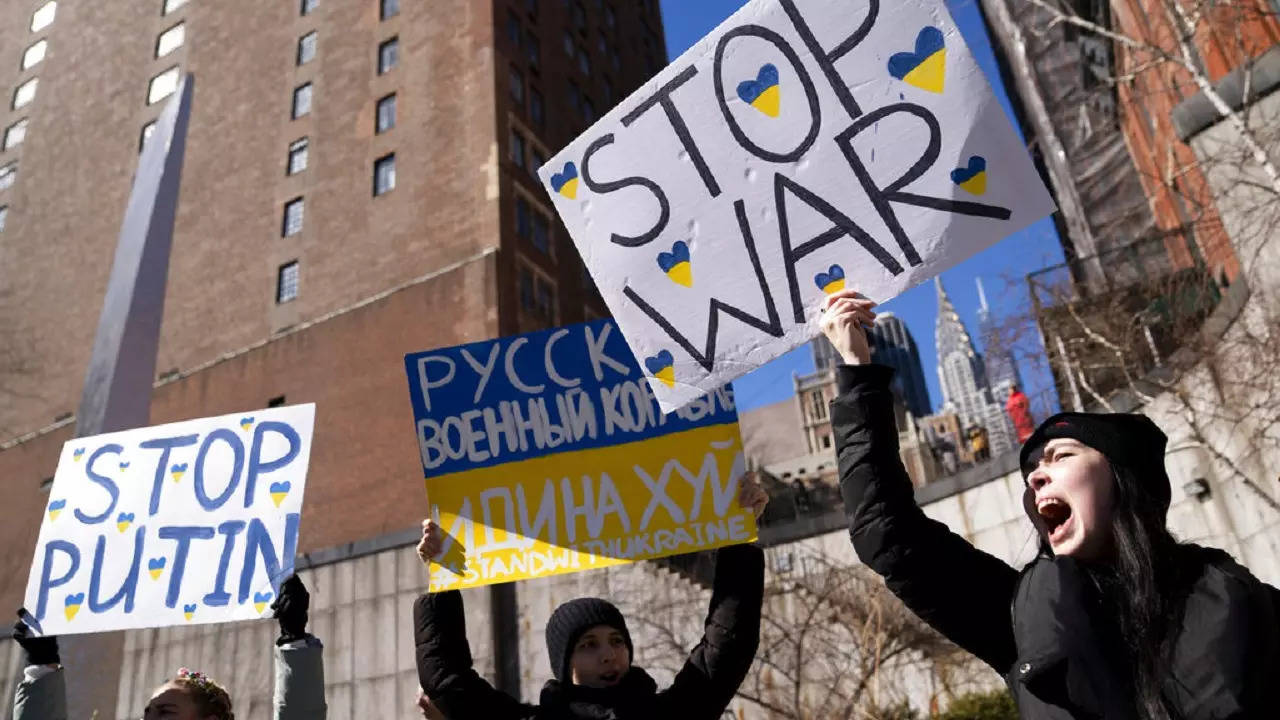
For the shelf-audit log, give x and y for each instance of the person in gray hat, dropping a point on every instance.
(1114, 618)
(591, 654)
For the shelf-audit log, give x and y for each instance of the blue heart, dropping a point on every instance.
(262, 596)
(76, 599)
(124, 466)
(78, 452)
(57, 504)
(246, 420)
(659, 362)
(281, 487)
(559, 179)
(156, 563)
(178, 467)
(679, 253)
(749, 90)
(977, 164)
(124, 517)
(835, 272)
(189, 608)
(928, 42)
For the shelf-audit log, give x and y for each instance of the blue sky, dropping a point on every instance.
(1002, 267)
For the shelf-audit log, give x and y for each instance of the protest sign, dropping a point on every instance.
(186, 523)
(546, 453)
(800, 148)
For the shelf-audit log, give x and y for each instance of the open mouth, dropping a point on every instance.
(611, 678)
(1056, 515)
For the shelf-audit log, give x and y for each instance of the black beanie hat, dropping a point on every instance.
(1129, 440)
(571, 621)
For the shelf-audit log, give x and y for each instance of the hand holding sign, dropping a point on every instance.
(846, 315)
(40, 649)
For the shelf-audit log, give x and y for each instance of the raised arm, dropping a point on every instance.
(299, 657)
(445, 668)
(718, 664)
(42, 692)
(962, 592)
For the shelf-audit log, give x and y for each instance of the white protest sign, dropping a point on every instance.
(186, 523)
(801, 147)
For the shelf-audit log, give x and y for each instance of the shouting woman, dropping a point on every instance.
(1114, 618)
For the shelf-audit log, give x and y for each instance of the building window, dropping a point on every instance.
(384, 174)
(532, 6)
(386, 113)
(541, 235)
(388, 55)
(516, 149)
(569, 47)
(580, 17)
(287, 282)
(43, 17)
(293, 211)
(171, 5)
(306, 48)
(25, 93)
(584, 61)
(514, 29)
(34, 54)
(517, 87)
(524, 221)
(588, 110)
(390, 8)
(8, 174)
(575, 97)
(537, 296)
(171, 39)
(301, 100)
(536, 161)
(308, 6)
(297, 156)
(533, 49)
(4, 215)
(617, 60)
(162, 85)
(608, 93)
(537, 111)
(15, 134)
(147, 131)
(610, 17)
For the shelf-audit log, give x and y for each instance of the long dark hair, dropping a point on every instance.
(1143, 589)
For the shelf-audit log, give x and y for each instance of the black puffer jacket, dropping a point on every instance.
(702, 689)
(1039, 628)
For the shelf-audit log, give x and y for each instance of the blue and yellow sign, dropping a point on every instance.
(546, 453)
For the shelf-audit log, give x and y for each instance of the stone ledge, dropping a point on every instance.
(1197, 114)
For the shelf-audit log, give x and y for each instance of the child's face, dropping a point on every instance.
(600, 658)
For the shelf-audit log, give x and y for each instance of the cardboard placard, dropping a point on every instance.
(798, 149)
(186, 523)
(546, 453)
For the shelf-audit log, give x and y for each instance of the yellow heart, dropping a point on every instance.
(976, 185)
(834, 286)
(769, 102)
(279, 498)
(155, 574)
(931, 74)
(570, 189)
(71, 611)
(682, 274)
(667, 375)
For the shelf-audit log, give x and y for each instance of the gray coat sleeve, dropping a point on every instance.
(44, 698)
(299, 693)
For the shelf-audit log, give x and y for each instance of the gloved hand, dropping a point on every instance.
(291, 607)
(41, 650)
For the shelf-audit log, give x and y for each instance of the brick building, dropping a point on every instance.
(358, 184)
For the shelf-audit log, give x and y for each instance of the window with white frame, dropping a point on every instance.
(386, 119)
(34, 54)
(162, 85)
(171, 5)
(516, 149)
(297, 156)
(390, 8)
(287, 282)
(171, 39)
(4, 215)
(25, 93)
(384, 174)
(8, 174)
(307, 48)
(308, 6)
(43, 17)
(147, 131)
(15, 134)
(301, 100)
(293, 211)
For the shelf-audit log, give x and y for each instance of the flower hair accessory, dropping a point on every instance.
(194, 676)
